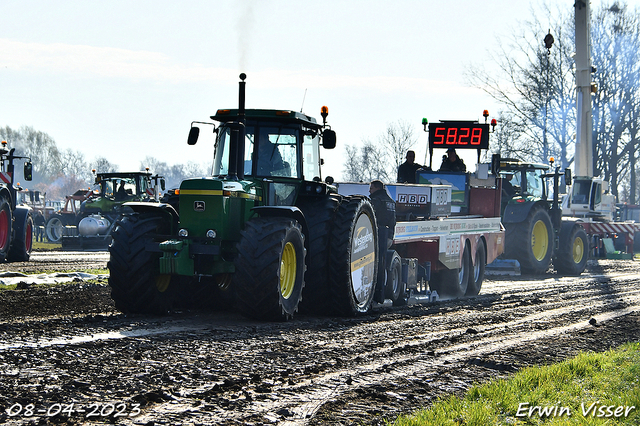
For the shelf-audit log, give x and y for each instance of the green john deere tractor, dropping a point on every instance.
(536, 234)
(263, 233)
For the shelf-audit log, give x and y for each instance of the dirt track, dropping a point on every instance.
(68, 345)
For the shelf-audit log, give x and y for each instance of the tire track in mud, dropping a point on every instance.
(331, 358)
(452, 342)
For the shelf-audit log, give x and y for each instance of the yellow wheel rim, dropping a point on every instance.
(539, 240)
(288, 271)
(578, 250)
(162, 282)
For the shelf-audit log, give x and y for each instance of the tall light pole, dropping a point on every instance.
(548, 42)
(584, 124)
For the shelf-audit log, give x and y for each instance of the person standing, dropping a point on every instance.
(39, 222)
(452, 163)
(407, 170)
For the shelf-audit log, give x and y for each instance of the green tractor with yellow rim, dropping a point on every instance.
(263, 233)
(536, 233)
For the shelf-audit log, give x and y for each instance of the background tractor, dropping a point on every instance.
(536, 233)
(263, 229)
(16, 221)
(88, 217)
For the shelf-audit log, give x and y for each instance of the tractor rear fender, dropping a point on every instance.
(162, 209)
(517, 212)
(20, 215)
(4, 192)
(285, 211)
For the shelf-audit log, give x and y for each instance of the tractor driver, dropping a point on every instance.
(508, 189)
(269, 158)
(121, 194)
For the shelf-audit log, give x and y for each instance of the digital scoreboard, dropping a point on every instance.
(458, 134)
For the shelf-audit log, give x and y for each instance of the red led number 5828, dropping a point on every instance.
(457, 136)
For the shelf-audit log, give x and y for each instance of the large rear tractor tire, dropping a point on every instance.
(22, 236)
(5, 228)
(531, 242)
(453, 283)
(477, 273)
(320, 215)
(573, 251)
(354, 257)
(270, 268)
(136, 285)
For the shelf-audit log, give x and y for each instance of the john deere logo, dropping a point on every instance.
(198, 206)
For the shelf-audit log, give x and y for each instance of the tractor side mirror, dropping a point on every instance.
(162, 185)
(567, 177)
(193, 135)
(28, 171)
(329, 139)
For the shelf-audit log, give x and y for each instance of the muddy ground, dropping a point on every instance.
(68, 357)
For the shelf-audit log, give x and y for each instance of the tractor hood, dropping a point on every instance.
(216, 204)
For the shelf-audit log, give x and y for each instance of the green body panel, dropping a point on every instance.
(105, 205)
(209, 204)
(175, 258)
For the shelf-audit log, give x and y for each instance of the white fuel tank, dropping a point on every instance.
(93, 225)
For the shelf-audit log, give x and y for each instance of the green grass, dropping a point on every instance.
(45, 246)
(607, 379)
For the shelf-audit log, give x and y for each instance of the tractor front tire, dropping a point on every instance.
(270, 268)
(5, 228)
(354, 257)
(573, 252)
(136, 285)
(531, 242)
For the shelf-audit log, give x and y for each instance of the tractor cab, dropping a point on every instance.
(522, 181)
(589, 198)
(277, 144)
(116, 188)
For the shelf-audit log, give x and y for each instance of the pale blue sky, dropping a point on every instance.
(124, 79)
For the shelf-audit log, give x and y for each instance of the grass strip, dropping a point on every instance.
(590, 389)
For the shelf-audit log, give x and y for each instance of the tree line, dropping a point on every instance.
(59, 173)
(536, 86)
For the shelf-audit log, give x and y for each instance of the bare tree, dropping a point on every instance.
(102, 165)
(616, 57)
(39, 146)
(366, 163)
(380, 159)
(397, 139)
(536, 85)
(537, 89)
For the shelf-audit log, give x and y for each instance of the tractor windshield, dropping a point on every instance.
(271, 149)
(121, 188)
